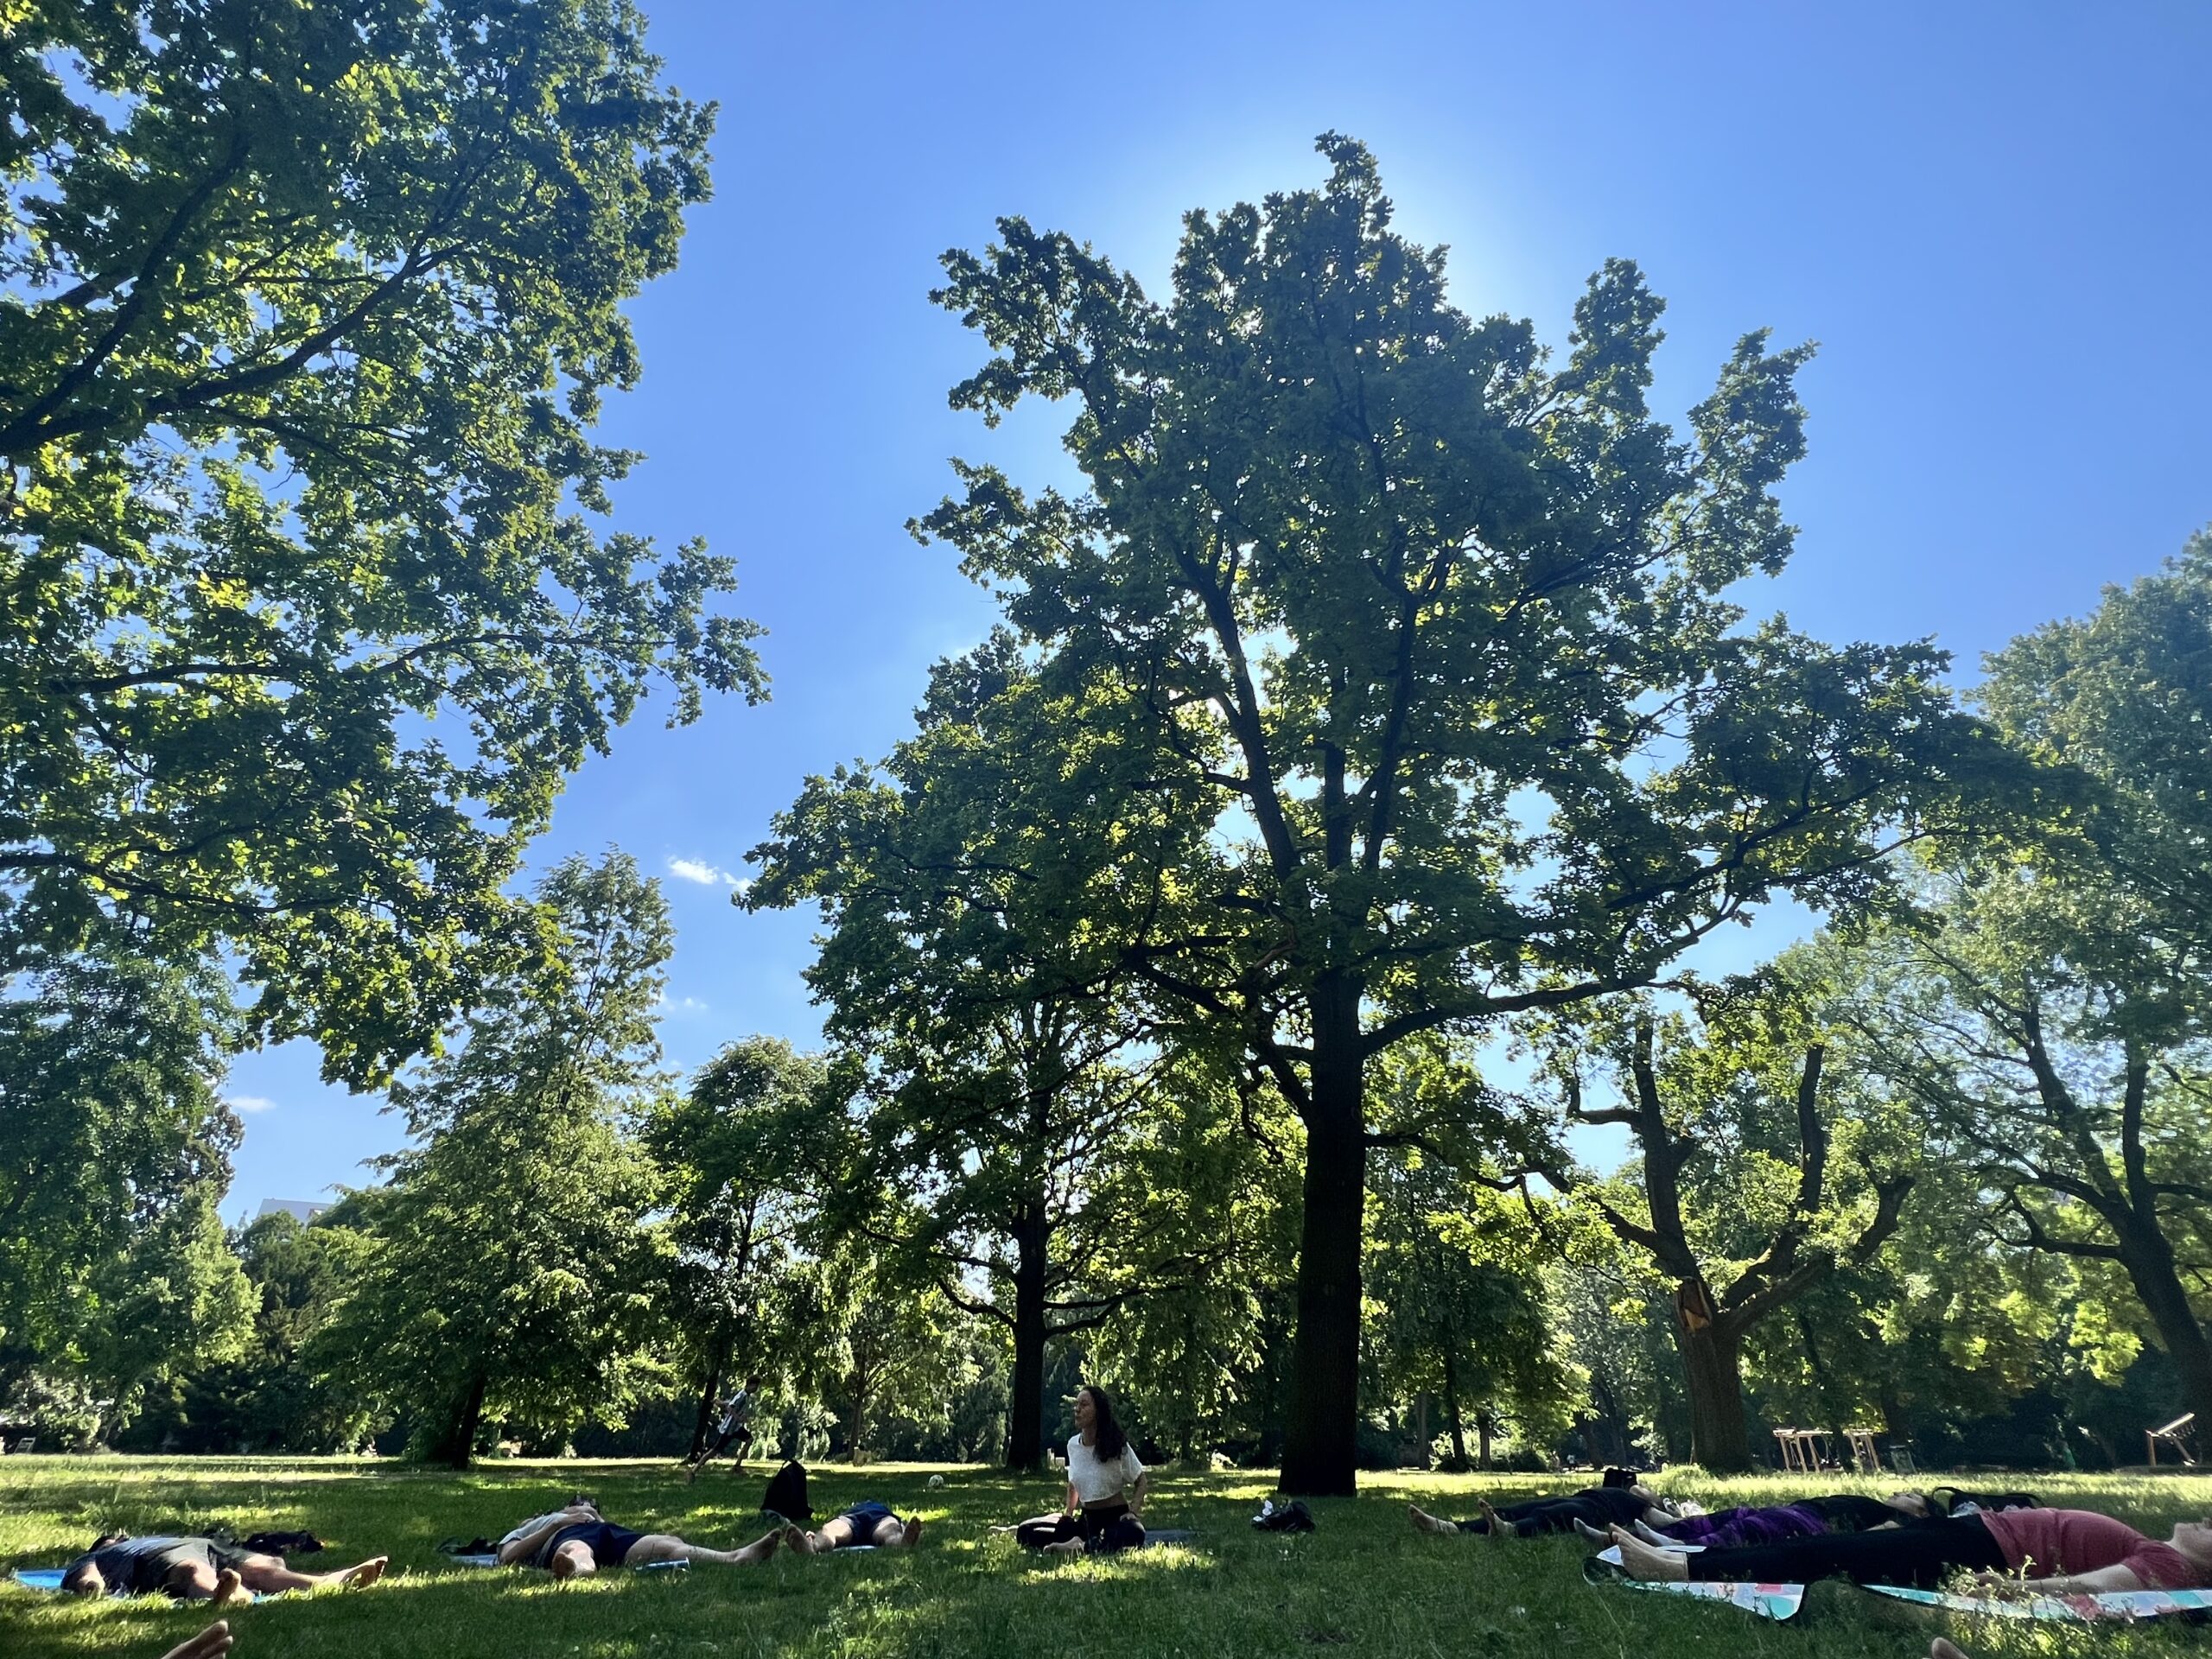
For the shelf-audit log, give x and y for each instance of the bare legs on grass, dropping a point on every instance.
(839, 1533)
(573, 1559)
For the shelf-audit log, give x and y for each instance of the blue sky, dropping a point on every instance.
(1996, 220)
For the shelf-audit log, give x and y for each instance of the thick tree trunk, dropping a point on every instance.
(1483, 1427)
(1320, 1445)
(1451, 1420)
(2150, 1265)
(1712, 1359)
(703, 1418)
(1025, 1423)
(456, 1448)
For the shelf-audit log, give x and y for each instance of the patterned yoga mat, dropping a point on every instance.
(2078, 1609)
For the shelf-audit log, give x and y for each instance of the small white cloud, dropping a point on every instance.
(682, 1004)
(707, 876)
(248, 1103)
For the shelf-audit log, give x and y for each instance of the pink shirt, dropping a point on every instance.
(2052, 1543)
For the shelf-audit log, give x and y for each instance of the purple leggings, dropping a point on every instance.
(1743, 1528)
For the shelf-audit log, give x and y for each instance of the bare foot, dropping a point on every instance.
(361, 1577)
(1593, 1534)
(210, 1644)
(1640, 1560)
(803, 1541)
(1498, 1529)
(1423, 1520)
(761, 1548)
(1650, 1535)
(910, 1533)
(230, 1590)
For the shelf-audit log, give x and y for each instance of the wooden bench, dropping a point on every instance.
(2176, 1434)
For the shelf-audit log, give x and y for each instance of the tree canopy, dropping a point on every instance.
(1436, 632)
(306, 314)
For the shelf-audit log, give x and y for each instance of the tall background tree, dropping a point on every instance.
(733, 1152)
(114, 1274)
(2052, 1014)
(1434, 633)
(511, 1274)
(1756, 1177)
(306, 315)
(984, 891)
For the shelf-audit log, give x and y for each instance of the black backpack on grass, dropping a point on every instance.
(785, 1497)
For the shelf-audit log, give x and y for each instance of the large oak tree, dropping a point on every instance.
(1436, 629)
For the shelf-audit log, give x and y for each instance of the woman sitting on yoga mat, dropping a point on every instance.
(868, 1524)
(576, 1540)
(2070, 1550)
(1594, 1506)
(1106, 1487)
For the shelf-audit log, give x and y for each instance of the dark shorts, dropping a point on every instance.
(608, 1542)
(139, 1573)
(865, 1518)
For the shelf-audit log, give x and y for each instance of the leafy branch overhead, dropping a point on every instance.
(309, 312)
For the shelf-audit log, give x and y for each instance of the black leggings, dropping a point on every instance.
(1103, 1529)
(1921, 1553)
(1542, 1514)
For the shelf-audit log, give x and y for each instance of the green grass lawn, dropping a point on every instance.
(1363, 1581)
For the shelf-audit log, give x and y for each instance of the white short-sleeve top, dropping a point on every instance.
(1097, 1479)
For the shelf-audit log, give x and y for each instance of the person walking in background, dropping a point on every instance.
(733, 1426)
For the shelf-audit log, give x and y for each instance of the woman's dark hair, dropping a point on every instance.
(1110, 1439)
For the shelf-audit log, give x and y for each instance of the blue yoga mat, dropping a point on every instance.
(45, 1577)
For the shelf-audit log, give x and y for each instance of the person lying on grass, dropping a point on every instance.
(1808, 1517)
(1103, 1507)
(867, 1524)
(197, 1569)
(1594, 1506)
(2074, 1550)
(577, 1540)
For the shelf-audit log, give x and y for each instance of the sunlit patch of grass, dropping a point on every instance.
(1365, 1582)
